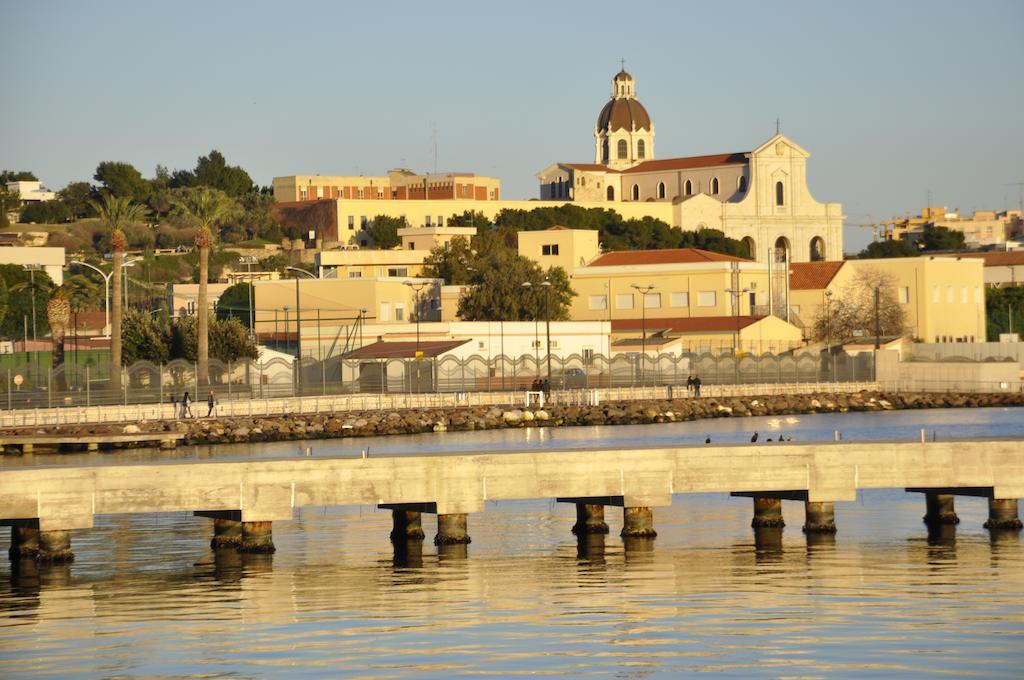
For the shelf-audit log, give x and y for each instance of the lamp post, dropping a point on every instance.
(249, 261)
(536, 336)
(106, 286)
(416, 287)
(736, 293)
(643, 290)
(298, 325)
(828, 331)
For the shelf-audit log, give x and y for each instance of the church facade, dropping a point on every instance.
(759, 197)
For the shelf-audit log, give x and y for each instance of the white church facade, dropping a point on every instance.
(759, 197)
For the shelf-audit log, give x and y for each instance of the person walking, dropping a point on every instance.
(696, 385)
(211, 403)
(689, 384)
(186, 409)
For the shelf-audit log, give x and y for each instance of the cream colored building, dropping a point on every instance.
(760, 197)
(50, 259)
(182, 297)
(31, 191)
(715, 334)
(399, 184)
(943, 297)
(983, 228)
(428, 238)
(365, 263)
(560, 247)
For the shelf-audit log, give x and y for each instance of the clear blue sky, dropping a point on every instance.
(892, 99)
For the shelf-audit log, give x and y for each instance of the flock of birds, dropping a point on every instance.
(755, 437)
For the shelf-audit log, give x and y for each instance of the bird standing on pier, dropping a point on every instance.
(754, 438)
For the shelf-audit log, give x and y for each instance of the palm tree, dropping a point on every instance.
(117, 213)
(58, 313)
(205, 208)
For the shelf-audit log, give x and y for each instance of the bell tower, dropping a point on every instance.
(624, 134)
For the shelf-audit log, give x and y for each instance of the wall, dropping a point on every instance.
(892, 373)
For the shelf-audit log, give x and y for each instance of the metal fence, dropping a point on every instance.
(75, 385)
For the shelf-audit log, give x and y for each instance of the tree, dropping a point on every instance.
(117, 213)
(384, 231)
(941, 238)
(470, 218)
(1002, 304)
(852, 312)
(10, 201)
(58, 314)
(45, 212)
(894, 248)
(17, 176)
(451, 264)
(84, 292)
(214, 172)
(205, 208)
(229, 340)
(24, 289)
(497, 292)
(234, 303)
(76, 197)
(122, 180)
(145, 337)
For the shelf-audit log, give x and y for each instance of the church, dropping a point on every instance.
(759, 197)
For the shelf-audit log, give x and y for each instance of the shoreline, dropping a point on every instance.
(370, 423)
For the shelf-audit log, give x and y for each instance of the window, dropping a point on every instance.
(551, 249)
(623, 149)
(688, 188)
(426, 221)
(624, 301)
(465, 190)
(588, 355)
(636, 192)
(640, 149)
(398, 271)
(598, 302)
(706, 298)
(661, 190)
(611, 193)
(363, 243)
(963, 295)
(714, 186)
(652, 301)
(949, 293)
(440, 220)
(936, 295)
(361, 193)
(399, 312)
(904, 294)
(355, 275)
(780, 194)
(362, 221)
(741, 183)
(385, 311)
(351, 222)
(412, 245)
(681, 299)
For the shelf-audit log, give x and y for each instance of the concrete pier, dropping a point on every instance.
(590, 548)
(257, 537)
(227, 533)
(407, 525)
(638, 523)
(1002, 514)
(820, 518)
(55, 547)
(451, 530)
(940, 509)
(767, 513)
(589, 519)
(24, 543)
(408, 554)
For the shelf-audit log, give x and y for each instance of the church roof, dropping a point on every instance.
(689, 162)
(621, 258)
(622, 75)
(812, 275)
(623, 113)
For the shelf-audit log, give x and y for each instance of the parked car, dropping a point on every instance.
(568, 379)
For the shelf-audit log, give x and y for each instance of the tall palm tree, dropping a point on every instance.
(205, 208)
(58, 313)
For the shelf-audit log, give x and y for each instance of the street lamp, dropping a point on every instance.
(643, 290)
(249, 261)
(416, 287)
(536, 336)
(546, 284)
(736, 292)
(106, 285)
(298, 325)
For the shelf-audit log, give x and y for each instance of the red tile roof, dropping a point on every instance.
(621, 258)
(812, 275)
(1001, 259)
(404, 349)
(696, 324)
(689, 162)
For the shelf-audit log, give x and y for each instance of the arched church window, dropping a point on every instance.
(623, 149)
(688, 188)
(714, 185)
(640, 149)
(817, 249)
(741, 184)
(780, 195)
(636, 192)
(611, 193)
(661, 190)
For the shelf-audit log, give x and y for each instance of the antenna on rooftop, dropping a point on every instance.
(778, 126)
(1020, 193)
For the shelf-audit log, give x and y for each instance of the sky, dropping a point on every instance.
(895, 101)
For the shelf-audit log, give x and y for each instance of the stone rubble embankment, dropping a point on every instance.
(468, 418)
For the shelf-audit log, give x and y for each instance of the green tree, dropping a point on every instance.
(17, 176)
(76, 197)
(497, 292)
(1002, 305)
(84, 292)
(10, 201)
(229, 340)
(451, 264)
(45, 212)
(470, 218)
(942, 238)
(145, 337)
(894, 248)
(384, 231)
(122, 180)
(214, 172)
(24, 289)
(234, 303)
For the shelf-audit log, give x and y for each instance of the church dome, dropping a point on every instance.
(623, 114)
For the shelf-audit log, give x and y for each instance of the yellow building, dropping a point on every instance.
(983, 228)
(942, 297)
(699, 335)
(560, 247)
(399, 184)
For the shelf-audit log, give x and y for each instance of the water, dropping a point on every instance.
(147, 597)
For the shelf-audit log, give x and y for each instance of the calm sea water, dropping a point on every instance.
(147, 597)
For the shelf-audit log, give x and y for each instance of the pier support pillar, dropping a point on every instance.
(92, 446)
(820, 518)
(939, 509)
(589, 519)
(1002, 514)
(227, 533)
(406, 526)
(24, 543)
(257, 537)
(767, 513)
(451, 530)
(55, 547)
(638, 522)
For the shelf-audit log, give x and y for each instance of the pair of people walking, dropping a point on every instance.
(693, 384)
(185, 410)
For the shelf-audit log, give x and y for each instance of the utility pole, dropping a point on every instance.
(643, 290)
